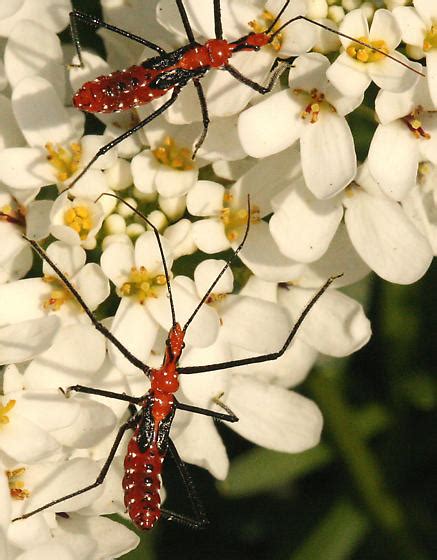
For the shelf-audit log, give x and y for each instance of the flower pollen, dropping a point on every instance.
(4, 410)
(235, 219)
(65, 161)
(430, 39)
(16, 486)
(79, 219)
(58, 296)
(13, 216)
(261, 25)
(171, 155)
(364, 53)
(316, 103)
(142, 285)
(414, 124)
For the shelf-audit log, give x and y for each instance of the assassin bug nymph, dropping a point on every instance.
(171, 71)
(152, 422)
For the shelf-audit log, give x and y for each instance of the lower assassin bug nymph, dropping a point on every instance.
(171, 71)
(152, 421)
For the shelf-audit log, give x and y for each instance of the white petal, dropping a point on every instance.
(354, 24)
(427, 10)
(171, 182)
(337, 326)
(391, 106)
(207, 271)
(147, 253)
(384, 26)
(10, 133)
(136, 330)
(420, 208)
(144, 167)
(54, 16)
(117, 261)
(394, 147)
(92, 285)
(25, 168)
(24, 340)
(90, 144)
(261, 254)
(34, 92)
(348, 76)
(431, 64)
(386, 239)
(412, 26)
(205, 199)
(209, 236)
(201, 445)
(392, 76)
(69, 259)
(304, 226)
(38, 219)
(273, 417)
(272, 125)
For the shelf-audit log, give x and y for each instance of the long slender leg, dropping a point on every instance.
(185, 21)
(200, 519)
(278, 68)
(101, 393)
(216, 415)
(218, 20)
(92, 21)
(264, 357)
(205, 116)
(97, 324)
(125, 135)
(99, 479)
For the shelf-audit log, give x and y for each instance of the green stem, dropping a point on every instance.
(385, 511)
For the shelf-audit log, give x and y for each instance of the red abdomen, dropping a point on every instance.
(118, 91)
(141, 484)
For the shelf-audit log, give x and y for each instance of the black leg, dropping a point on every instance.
(185, 21)
(200, 520)
(125, 135)
(97, 324)
(230, 417)
(101, 393)
(92, 21)
(218, 20)
(264, 357)
(99, 479)
(205, 116)
(278, 68)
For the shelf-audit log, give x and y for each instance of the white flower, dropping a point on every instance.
(313, 111)
(418, 27)
(406, 136)
(354, 69)
(54, 14)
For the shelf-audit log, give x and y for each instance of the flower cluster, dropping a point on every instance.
(286, 163)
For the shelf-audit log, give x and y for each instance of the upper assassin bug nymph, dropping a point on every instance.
(171, 71)
(151, 423)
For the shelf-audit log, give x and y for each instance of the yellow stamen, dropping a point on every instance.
(430, 39)
(316, 103)
(170, 154)
(16, 486)
(79, 218)
(142, 285)
(235, 219)
(58, 296)
(65, 161)
(4, 410)
(261, 25)
(414, 123)
(366, 53)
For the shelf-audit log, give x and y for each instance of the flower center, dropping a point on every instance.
(235, 219)
(65, 161)
(79, 218)
(174, 156)
(364, 53)
(262, 23)
(142, 285)
(16, 485)
(430, 39)
(414, 124)
(13, 215)
(58, 296)
(317, 102)
(4, 410)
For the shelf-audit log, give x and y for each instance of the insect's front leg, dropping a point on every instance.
(100, 392)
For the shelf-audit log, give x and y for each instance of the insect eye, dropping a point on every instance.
(121, 86)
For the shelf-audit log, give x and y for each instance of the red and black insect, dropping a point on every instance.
(171, 71)
(151, 423)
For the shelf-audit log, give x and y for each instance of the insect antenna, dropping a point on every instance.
(345, 36)
(277, 18)
(161, 250)
(223, 270)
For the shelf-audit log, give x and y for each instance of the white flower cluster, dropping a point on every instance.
(314, 213)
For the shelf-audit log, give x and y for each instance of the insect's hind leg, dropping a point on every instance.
(205, 116)
(93, 21)
(279, 65)
(229, 417)
(100, 393)
(199, 520)
(99, 480)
